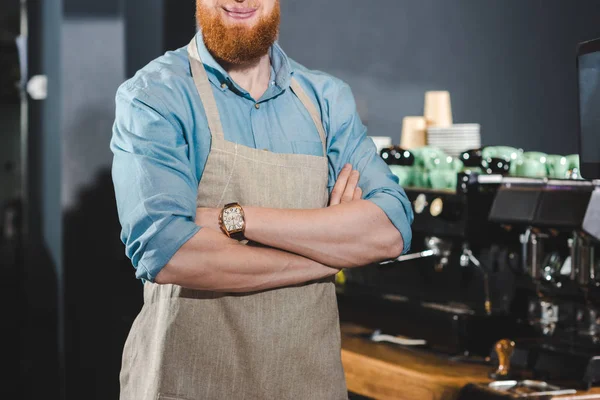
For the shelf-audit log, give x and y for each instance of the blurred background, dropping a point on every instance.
(68, 293)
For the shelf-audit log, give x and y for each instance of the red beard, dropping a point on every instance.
(237, 44)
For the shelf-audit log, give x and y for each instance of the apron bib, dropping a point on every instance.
(276, 344)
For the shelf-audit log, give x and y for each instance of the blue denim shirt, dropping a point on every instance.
(161, 143)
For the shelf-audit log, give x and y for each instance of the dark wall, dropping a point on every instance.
(143, 31)
(509, 64)
(179, 23)
(92, 8)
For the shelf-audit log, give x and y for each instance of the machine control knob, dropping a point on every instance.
(437, 207)
(420, 203)
(504, 350)
(447, 209)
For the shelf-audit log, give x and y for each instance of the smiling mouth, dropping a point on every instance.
(240, 13)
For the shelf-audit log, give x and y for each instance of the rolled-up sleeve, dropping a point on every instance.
(349, 143)
(154, 181)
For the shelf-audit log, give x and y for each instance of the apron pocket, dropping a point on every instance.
(307, 147)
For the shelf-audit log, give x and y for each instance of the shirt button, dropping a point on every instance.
(223, 86)
(257, 106)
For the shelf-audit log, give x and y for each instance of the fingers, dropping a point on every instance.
(357, 194)
(340, 185)
(351, 186)
(346, 187)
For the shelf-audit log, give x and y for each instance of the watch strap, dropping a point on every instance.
(239, 236)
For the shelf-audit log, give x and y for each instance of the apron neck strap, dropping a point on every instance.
(205, 91)
(312, 110)
(210, 105)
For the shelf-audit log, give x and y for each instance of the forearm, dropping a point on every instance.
(211, 261)
(343, 236)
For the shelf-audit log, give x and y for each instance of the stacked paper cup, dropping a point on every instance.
(438, 109)
(437, 113)
(414, 133)
(436, 128)
(455, 139)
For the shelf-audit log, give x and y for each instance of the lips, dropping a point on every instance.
(240, 12)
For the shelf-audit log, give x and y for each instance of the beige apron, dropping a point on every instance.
(276, 344)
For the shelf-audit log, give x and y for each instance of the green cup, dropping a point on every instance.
(532, 168)
(457, 165)
(489, 152)
(421, 178)
(404, 173)
(443, 179)
(557, 166)
(536, 155)
(573, 161)
(447, 163)
(425, 156)
(507, 153)
(514, 164)
(418, 154)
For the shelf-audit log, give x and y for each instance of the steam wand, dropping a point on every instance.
(466, 257)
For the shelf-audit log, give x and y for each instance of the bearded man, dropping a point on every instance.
(244, 183)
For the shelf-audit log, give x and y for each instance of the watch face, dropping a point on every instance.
(232, 219)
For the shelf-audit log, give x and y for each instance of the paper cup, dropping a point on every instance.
(438, 108)
(414, 132)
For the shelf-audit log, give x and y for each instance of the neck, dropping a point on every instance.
(253, 77)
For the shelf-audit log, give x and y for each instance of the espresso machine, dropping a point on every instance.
(558, 291)
(454, 290)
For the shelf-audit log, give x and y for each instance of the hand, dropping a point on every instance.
(346, 187)
(208, 218)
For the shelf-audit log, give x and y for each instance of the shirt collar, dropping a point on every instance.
(281, 67)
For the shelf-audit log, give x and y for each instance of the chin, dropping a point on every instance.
(238, 24)
(247, 23)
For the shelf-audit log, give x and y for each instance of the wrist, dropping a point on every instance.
(251, 220)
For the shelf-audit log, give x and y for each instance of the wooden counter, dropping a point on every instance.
(385, 371)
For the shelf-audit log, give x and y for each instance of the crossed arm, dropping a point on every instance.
(305, 244)
(155, 176)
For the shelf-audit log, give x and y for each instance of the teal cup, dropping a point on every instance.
(457, 165)
(489, 152)
(421, 178)
(557, 166)
(418, 154)
(404, 173)
(535, 155)
(443, 179)
(507, 153)
(573, 161)
(533, 165)
(532, 168)
(514, 166)
(447, 163)
(425, 156)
